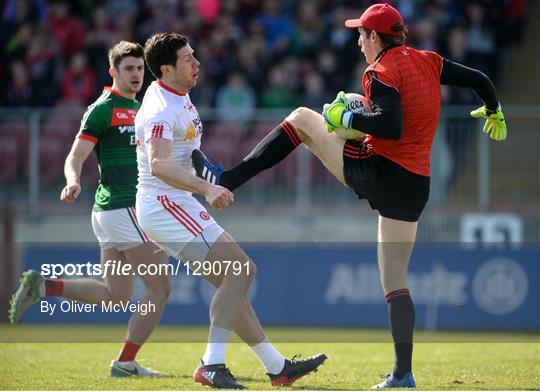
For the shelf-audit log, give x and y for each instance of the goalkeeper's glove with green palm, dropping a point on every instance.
(495, 124)
(336, 114)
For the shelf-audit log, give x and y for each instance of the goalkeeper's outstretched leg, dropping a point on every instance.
(302, 126)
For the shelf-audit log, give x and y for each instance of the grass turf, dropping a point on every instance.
(448, 361)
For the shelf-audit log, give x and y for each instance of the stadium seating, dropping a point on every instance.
(8, 161)
(15, 133)
(52, 153)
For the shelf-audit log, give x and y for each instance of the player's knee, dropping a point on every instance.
(245, 274)
(298, 116)
(301, 118)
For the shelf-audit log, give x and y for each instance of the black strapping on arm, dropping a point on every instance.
(456, 74)
(385, 121)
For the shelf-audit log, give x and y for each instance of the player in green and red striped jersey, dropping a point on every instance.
(108, 129)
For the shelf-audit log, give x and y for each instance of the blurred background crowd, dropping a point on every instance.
(253, 53)
(259, 59)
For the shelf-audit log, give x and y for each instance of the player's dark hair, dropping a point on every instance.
(124, 49)
(162, 49)
(389, 39)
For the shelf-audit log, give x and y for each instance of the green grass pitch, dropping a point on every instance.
(447, 361)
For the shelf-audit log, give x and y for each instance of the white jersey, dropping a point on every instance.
(166, 114)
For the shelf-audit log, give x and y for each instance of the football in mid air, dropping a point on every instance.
(356, 103)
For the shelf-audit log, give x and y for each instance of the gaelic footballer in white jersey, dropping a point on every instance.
(166, 114)
(168, 129)
(172, 217)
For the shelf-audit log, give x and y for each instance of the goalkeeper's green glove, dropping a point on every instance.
(495, 124)
(336, 114)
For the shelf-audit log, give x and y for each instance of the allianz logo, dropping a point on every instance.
(360, 284)
(499, 286)
(126, 128)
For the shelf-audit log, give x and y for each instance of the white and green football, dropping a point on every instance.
(356, 103)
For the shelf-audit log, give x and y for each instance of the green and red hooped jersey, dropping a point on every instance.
(109, 124)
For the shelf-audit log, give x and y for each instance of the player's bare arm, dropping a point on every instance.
(170, 172)
(80, 150)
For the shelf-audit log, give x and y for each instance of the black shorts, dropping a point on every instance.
(389, 188)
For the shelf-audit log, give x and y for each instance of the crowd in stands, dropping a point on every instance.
(270, 54)
(253, 53)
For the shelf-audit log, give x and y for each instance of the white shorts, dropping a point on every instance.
(173, 223)
(118, 229)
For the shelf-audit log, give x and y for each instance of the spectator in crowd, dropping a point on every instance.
(293, 73)
(19, 91)
(66, 30)
(44, 64)
(115, 8)
(203, 95)
(455, 48)
(481, 39)
(315, 94)
(18, 44)
(277, 95)
(208, 10)
(426, 35)
(79, 81)
(328, 66)
(17, 13)
(216, 56)
(355, 82)
(236, 100)
(103, 31)
(278, 27)
(343, 41)
(192, 24)
(162, 14)
(517, 16)
(100, 36)
(250, 58)
(309, 31)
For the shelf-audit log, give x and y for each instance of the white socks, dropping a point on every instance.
(217, 346)
(271, 359)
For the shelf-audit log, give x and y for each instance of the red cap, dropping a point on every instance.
(378, 17)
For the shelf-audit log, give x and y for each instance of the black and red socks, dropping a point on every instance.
(402, 318)
(271, 150)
